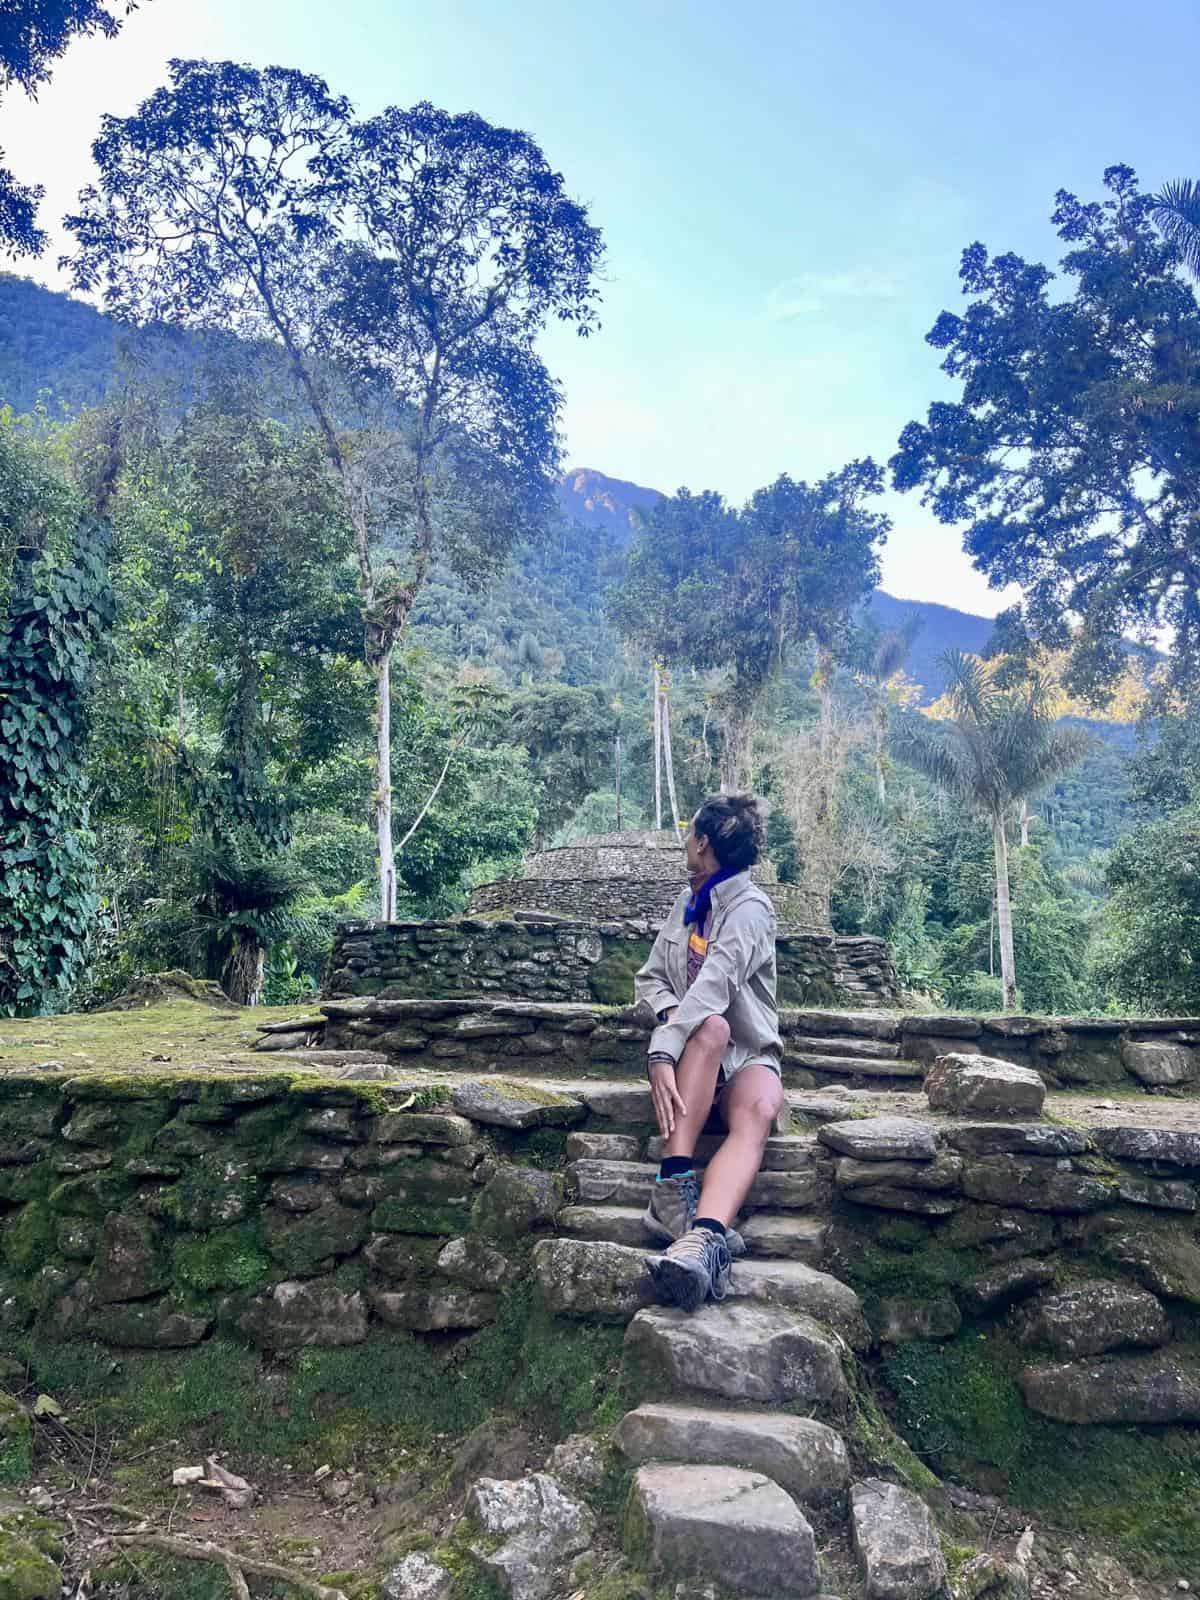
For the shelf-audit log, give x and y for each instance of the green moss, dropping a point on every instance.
(611, 978)
(147, 1575)
(877, 1443)
(960, 1405)
(393, 1215)
(545, 1148)
(16, 1441)
(228, 1258)
(30, 1238)
(26, 1573)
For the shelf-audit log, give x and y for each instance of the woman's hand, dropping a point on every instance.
(665, 1096)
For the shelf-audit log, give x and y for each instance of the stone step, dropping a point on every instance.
(896, 1541)
(863, 1024)
(788, 1238)
(725, 1524)
(738, 1351)
(803, 1456)
(841, 1045)
(853, 1067)
(790, 1152)
(608, 1282)
(626, 1183)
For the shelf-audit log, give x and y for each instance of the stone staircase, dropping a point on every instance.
(735, 1443)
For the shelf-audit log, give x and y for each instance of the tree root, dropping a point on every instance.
(236, 1565)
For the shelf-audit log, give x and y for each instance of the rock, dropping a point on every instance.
(579, 1459)
(890, 1197)
(422, 1127)
(901, 1318)
(1175, 1147)
(896, 1542)
(513, 1105)
(723, 1523)
(940, 1174)
(1160, 1064)
(1143, 1389)
(26, 1573)
(130, 1263)
(492, 1450)
(542, 1527)
(1035, 1183)
(797, 1287)
(599, 1281)
(1017, 1138)
(615, 1224)
(621, 1103)
(988, 1577)
(1006, 1284)
(1002, 1234)
(417, 1578)
(882, 1139)
(618, 1183)
(1092, 1318)
(975, 1085)
(516, 1200)
(603, 1147)
(1165, 1260)
(149, 1326)
(792, 1238)
(425, 1310)
(1168, 1195)
(306, 1244)
(791, 1153)
(943, 1025)
(739, 1351)
(474, 1263)
(396, 1256)
(805, 1457)
(290, 1316)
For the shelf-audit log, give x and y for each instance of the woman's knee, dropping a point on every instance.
(714, 1032)
(757, 1113)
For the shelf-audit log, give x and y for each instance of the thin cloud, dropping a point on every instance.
(811, 292)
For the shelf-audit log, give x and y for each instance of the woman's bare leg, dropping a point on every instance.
(696, 1079)
(749, 1106)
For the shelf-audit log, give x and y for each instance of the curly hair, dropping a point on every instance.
(735, 826)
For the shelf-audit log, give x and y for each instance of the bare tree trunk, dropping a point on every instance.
(618, 775)
(383, 789)
(1008, 971)
(880, 735)
(1026, 818)
(658, 754)
(668, 760)
(433, 794)
(242, 974)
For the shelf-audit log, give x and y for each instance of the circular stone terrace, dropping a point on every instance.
(631, 878)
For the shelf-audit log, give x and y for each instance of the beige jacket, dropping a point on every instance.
(737, 980)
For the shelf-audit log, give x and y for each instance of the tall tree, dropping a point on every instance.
(33, 35)
(709, 586)
(880, 675)
(999, 746)
(423, 251)
(1073, 454)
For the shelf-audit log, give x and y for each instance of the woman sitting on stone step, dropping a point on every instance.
(710, 980)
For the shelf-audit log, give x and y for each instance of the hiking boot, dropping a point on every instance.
(672, 1207)
(694, 1269)
(672, 1210)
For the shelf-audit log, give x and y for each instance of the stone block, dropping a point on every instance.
(796, 1287)
(791, 1238)
(1148, 1390)
(1160, 1064)
(896, 1542)
(1165, 1260)
(541, 1527)
(603, 1147)
(600, 1282)
(1004, 1285)
(1017, 1138)
(426, 1310)
(1176, 1147)
(476, 1264)
(738, 1528)
(901, 1318)
(517, 1200)
(292, 1316)
(395, 1256)
(1093, 1318)
(1002, 1234)
(739, 1351)
(882, 1138)
(977, 1085)
(130, 1261)
(1035, 1183)
(307, 1244)
(417, 1578)
(509, 1105)
(806, 1458)
(149, 1325)
(939, 1175)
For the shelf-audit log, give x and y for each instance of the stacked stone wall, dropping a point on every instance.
(545, 958)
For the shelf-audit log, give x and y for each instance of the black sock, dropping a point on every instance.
(711, 1224)
(675, 1166)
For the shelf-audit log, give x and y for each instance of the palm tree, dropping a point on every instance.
(999, 746)
(1177, 214)
(246, 901)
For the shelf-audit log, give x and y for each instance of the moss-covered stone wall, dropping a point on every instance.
(581, 961)
(157, 1213)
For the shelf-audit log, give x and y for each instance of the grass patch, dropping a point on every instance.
(959, 1405)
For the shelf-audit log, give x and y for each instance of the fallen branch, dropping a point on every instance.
(235, 1565)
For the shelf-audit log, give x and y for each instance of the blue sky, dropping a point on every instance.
(785, 189)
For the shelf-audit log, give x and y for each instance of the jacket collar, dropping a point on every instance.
(724, 895)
